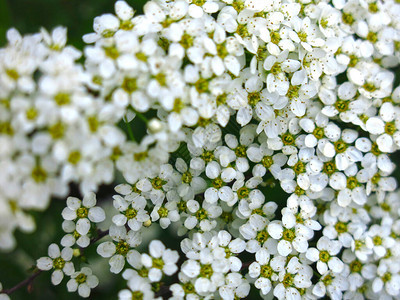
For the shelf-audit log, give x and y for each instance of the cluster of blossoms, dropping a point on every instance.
(270, 127)
(52, 131)
(80, 218)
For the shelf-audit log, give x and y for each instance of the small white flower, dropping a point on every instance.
(325, 254)
(291, 235)
(160, 261)
(262, 270)
(85, 211)
(57, 260)
(203, 215)
(83, 281)
(165, 213)
(73, 236)
(139, 288)
(121, 248)
(132, 211)
(295, 273)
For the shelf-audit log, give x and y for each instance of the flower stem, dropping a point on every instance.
(130, 132)
(142, 117)
(100, 235)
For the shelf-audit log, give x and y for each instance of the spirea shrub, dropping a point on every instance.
(235, 99)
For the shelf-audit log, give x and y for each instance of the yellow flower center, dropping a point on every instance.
(288, 235)
(58, 263)
(122, 247)
(129, 85)
(324, 256)
(62, 99)
(82, 212)
(163, 212)
(81, 278)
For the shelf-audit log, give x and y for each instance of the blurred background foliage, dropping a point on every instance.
(28, 16)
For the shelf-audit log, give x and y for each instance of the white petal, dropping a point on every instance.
(284, 248)
(375, 125)
(156, 248)
(89, 200)
(57, 277)
(106, 249)
(54, 251)
(312, 254)
(83, 226)
(335, 264)
(96, 214)
(117, 263)
(275, 230)
(84, 290)
(44, 263)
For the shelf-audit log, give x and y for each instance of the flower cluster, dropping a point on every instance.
(52, 130)
(269, 133)
(63, 261)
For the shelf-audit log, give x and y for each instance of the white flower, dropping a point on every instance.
(388, 278)
(325, 254)
(132, 211)
(378, 239)
(256, 232)
(306, 34)
(191, 183)
(121, 247)
(138, 289)
(219, 178)
(293, 277)
(231, 247)
(203, 215)
(339, 227)
(235, 285)
(262, 270)
(83, 281)
(165, 213)
(141, 160)
(57, 260)
(160, 261)
(85, 211)
(291, 235)
(277, 80)
(73, 236)
(184, 287)
(332, 285)
(104, 25)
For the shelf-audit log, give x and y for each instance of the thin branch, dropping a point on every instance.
(30, 279)
(27, 281)
(100, 235)
(130, 132)
(245, 265)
